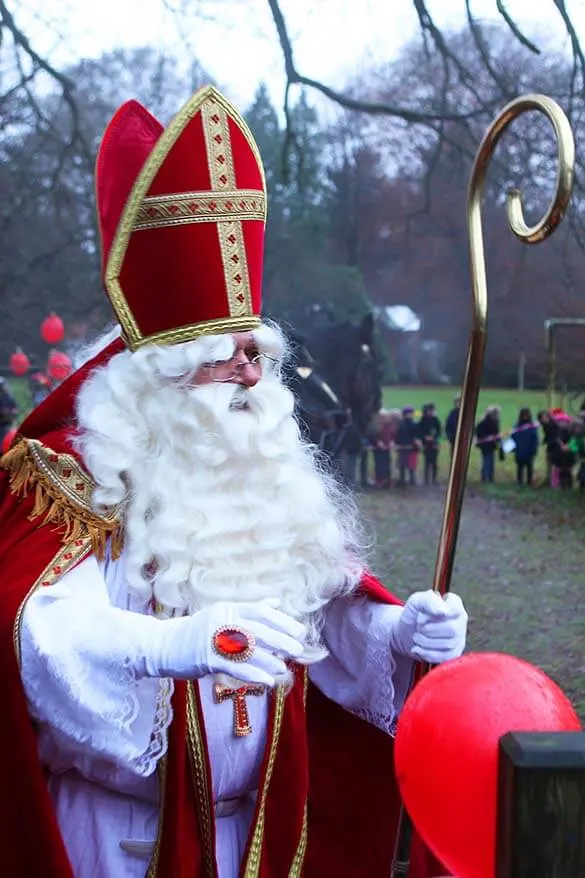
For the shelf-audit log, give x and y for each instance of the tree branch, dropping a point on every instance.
(427, 24)
(483, 52)
(20, 39)
(578, 56)
(344, 100)
(515, 29)
(40, 63)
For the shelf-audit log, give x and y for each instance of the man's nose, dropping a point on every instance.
(248, 375)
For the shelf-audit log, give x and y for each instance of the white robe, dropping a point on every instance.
(101, 731)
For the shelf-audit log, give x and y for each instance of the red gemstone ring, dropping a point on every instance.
(233, 643)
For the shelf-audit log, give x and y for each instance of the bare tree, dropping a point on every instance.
(29, 62)
(455, 67)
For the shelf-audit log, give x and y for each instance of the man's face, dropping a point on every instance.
(243, 368)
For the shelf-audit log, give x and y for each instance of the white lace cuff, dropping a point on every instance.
(78, 672)
(361, 673)
(145, 764)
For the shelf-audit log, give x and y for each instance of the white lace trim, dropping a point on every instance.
(83, 684)
(380, 671)
(120, 711)
(163, 717)
(70, 680)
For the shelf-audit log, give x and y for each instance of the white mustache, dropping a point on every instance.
(240, 400)
(219, 399)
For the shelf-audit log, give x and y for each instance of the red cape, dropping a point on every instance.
(328, 801)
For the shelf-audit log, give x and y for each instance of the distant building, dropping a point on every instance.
(416, 360)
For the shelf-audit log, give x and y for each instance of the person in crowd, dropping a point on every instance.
(489, 441)
(407, 446)
(39, 387)
(365, 455)
(200, 674)
(577, 446)
(352, 456)
(525, 436)
(8, 409)
(383, 439)
(452, 421)
(550, 438)
(563, 456)
(429, 434)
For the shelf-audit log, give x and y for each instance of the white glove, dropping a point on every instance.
(430, 628)
(182, 648)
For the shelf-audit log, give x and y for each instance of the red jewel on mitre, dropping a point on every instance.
(182, 213)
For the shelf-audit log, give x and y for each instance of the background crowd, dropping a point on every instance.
(404, 446)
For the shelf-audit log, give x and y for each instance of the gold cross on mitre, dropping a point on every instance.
(238, 693)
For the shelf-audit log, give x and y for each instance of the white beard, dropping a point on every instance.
(225, 503)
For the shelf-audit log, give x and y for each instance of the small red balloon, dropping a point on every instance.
(8, 440)
(52, 329)
(59, 366)
(447, 750)
(19, 363)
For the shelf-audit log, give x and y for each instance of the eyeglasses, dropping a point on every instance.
(258, 359)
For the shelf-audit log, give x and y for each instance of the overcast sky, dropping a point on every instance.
(236, 41)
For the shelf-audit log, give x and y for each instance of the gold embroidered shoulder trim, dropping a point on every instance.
(66, 558)
(63, 492)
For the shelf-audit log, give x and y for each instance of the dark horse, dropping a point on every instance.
(337, 378)
(322, 416)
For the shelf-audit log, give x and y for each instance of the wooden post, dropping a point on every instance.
(541, 805)
(521, 371)
(551, 352)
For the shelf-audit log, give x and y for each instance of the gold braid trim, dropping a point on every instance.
(63, 492)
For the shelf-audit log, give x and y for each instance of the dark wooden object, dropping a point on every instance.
(541, 805)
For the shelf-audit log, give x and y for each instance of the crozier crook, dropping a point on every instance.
(475, 353)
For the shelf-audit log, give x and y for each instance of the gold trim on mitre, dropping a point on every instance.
(231, 234)
(216, 110)
(220, 326)
(200, 207)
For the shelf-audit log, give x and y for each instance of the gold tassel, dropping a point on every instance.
(42, 501)
(54, 507)
(117, 542)
(18, 461)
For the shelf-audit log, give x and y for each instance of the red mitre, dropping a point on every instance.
(182, 213)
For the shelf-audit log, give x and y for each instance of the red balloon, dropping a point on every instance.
(447, 750)
(19, 363)
(8, 440)
(59, 366)
(52, 329)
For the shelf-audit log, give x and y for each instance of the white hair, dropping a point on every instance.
(219, 502)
